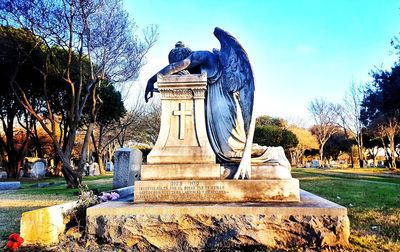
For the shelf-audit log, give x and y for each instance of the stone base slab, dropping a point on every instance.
(44, 226)
(269, 171)
(180, 171)
(274, 190)
(313, 223)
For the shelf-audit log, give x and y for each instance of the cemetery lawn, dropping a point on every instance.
(30, 197)
(371, 197)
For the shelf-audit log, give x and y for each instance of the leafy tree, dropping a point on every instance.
(265, 120)
(17, 124)
(372, 143)
(380, 108)
(98, 42)
(272, 132)
(337, 144)
(307, 141)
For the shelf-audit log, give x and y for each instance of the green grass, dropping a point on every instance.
(100, 183)
(30, 197)
(373, 203)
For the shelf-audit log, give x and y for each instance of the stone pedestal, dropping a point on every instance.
(183, 136)
(182, 165)
(212, 191)
(127, 167)
(312, 223)
(185, 201)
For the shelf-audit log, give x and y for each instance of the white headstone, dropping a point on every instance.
(38, 170)
(94, 169)
(127, 167)
(109, 166)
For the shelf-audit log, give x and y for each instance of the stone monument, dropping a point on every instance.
(186, 200)
(127, 167)
(182, 165)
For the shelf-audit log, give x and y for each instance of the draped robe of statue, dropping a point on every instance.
(230, 102)
(226, 127)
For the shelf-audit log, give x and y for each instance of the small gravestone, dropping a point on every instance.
(109, 166)
(38, 170)
(127, 167)
(94, 169)
(86, 169)
(3, 174)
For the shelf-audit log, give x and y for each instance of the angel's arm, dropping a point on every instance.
(193, 60)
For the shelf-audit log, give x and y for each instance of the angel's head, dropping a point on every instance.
(180, 52)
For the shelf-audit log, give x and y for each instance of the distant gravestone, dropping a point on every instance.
(38, 169)
(94, 169)
(127, 167)
(3, 174)
(109, 166)
(86, 169)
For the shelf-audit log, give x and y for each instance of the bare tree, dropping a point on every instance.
(349, 115)
(389, 127)
(97, 42)
(325, 118)
(142, 122)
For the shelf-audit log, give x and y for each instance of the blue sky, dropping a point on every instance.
(299, 50)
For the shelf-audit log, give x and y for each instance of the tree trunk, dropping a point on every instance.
(101, 165)
(360, 146)
(351, 157)
(392, 153)
(72, 178)
(85, 147)
(58, 167)
(321, 153)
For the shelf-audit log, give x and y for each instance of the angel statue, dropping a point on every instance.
(230, 120)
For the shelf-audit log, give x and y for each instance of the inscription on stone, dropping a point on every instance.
(179, 189)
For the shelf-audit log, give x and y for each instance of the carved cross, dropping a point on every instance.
(182, 113)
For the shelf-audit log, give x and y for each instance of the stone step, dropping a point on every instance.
(229, 190)
(313, 222)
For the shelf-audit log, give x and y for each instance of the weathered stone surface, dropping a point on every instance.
(183, 137)
(314, 223)
(42, 227)
(180, 171)
(217, 191)
(127, 167)
(10, 185)
(276, 190)
(267, 170)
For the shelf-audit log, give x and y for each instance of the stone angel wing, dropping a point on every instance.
(237, 75)
(237, 78)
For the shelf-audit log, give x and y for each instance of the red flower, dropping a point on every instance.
(14, 241)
